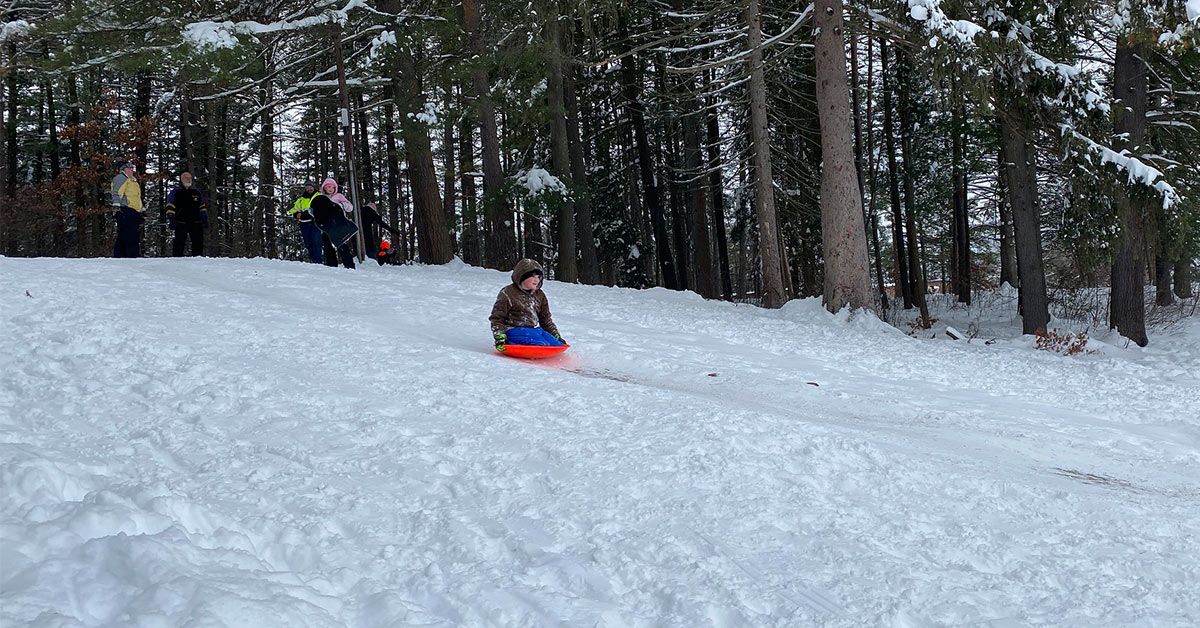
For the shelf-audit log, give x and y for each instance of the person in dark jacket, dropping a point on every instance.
(187, 216)
(369, 215)
(325, 207)
(308, 229)
(521, 314)
(127, 198)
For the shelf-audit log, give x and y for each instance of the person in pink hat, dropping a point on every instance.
(325, 206)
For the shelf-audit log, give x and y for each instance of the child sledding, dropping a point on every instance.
(521, 322)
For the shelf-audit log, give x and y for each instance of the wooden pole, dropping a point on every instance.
(348, 141)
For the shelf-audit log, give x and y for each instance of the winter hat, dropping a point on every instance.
(523, 270)
(310, 184)
(327, 182)
(128, 164)
(530, 274)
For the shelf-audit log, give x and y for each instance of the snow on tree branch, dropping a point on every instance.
(1138, 170)
(209, 34)
(1086, 86)
(538, 181)
(935, 20)
(13, 29)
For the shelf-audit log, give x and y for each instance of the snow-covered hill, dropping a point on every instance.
(215, 442)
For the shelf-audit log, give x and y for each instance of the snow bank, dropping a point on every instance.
(215, 442)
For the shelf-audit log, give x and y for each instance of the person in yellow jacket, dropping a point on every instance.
(301, 210)
(127, 198)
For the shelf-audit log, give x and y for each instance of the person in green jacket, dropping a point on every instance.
(301, 211)
(127, 198)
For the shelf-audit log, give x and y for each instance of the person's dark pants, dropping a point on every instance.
(332, 254)
(329, 254)
(185, 230)
(312, 240)
(347, 255)
(129, 237)
(371, 242)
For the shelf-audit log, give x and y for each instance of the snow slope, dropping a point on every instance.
(216, 442)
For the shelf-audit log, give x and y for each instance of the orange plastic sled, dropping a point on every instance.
(533, 352)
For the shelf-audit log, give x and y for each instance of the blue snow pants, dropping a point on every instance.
(129, 240)
(312, 240)
(531, 336)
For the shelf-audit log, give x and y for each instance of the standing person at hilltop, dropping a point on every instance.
(187, 216)
(127, 198)
(329, 209)
(301, 211)
(370, 221)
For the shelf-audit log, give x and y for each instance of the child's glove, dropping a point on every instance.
(559, 338)
(501, 341)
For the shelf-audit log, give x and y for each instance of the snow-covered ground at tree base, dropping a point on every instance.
(218, 442)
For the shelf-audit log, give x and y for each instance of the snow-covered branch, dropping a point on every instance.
(1139, 172)
(209, 34)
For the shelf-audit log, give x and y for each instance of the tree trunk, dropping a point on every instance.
(903, 287)
(961, 271)
(1162, 281)
(773, 295)
(1021, 166)
(589, 264)
(662, 249)
(1008, 254)
(707, 282)
(716, 187)
(185, 130)
(141, 111)
(74, 118)
(53, 146)
(1183, 279)
(7, 171)
(1127, 312)
(433, 239)
(673, 165)
(448, 176)
(500, 250)
(220, 222)
(393, 170)
(345, 121)
(39, 151)
(560, 154)
(471, 252)
(873, 168)
(10, 131)
(363, 158)
(843, 235)
(227, 193)
(637, 214)
(410, 213)
(916, 272)
(855, 108)
(266, 179)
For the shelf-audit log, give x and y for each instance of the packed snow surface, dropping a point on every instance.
(216, 442)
